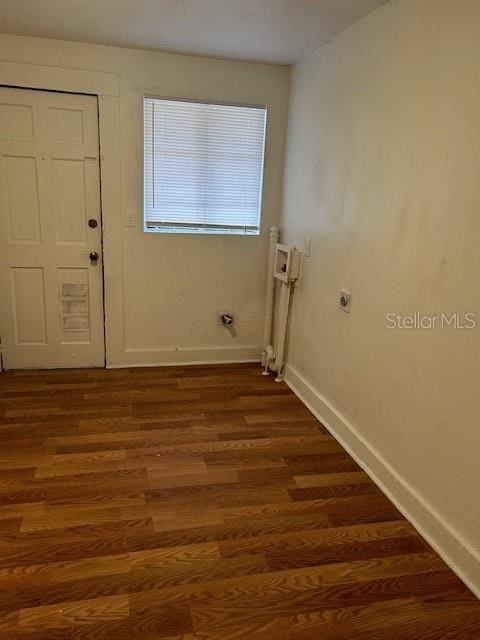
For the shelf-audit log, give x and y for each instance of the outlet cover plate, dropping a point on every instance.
(129, 218)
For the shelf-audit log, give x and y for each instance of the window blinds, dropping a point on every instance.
(203, 166)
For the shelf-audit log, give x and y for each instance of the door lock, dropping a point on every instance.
(92, 223)
(93, 256)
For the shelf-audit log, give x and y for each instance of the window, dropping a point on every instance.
(203, 167)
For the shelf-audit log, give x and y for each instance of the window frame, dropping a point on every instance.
(176, 228)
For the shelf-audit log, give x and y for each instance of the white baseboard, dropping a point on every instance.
(448, 543)
(172, 357)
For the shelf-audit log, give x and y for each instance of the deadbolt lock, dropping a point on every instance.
(92, 223)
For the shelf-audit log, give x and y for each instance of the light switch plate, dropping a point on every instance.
(130, 218)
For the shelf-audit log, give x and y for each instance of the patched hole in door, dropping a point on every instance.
(75, 323)
(74, 305)
(74, 289)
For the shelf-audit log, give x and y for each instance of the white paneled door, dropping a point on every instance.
(51, 292)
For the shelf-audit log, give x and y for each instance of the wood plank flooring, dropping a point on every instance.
(200, 503)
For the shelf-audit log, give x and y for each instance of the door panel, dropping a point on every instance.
(51, 297)
(69, 189)
(29, 309)
(22, 199)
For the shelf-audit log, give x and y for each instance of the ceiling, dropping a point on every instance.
(275, 31)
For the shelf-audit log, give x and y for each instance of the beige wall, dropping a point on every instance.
(383, 166)
(175, 285)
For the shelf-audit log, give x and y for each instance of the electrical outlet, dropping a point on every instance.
(345, 300)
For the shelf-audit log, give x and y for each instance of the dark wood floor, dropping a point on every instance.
(200, 503)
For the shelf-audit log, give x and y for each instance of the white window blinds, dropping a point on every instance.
(203, 166)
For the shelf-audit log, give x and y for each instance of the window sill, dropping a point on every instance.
(201, 232)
